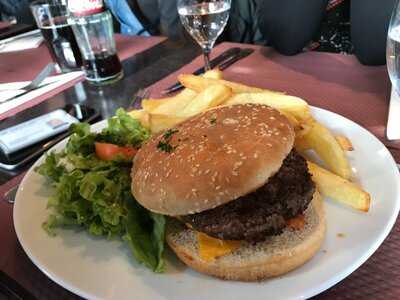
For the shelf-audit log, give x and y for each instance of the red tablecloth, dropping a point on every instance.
(24, 65)
(335, 82)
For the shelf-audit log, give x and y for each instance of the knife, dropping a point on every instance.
(244, 53)
(35, 83)
(393, 124)
(224, 56)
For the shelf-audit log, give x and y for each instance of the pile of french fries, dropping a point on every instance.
(211, 90)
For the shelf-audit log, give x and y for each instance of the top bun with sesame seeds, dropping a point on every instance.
(211, 159)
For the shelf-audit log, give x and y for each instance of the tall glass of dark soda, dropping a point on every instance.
(52, 19)
(93, 28)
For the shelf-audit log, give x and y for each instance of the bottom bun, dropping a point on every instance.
(275, 256)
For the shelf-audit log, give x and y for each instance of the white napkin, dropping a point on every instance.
(10, 90)
(28, 40)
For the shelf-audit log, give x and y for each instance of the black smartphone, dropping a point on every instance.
(21, 157)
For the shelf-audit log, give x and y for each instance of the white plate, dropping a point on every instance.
(99, 269)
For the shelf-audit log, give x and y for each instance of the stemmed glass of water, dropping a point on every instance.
(393, 48)
(204, 20)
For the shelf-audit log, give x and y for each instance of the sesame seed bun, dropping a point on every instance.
(275, 256)
(211, 159)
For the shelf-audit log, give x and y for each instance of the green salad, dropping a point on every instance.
(96, 193)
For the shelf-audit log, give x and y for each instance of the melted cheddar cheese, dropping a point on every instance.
(211, 248)
(296, 223)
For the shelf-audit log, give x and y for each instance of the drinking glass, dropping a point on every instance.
(204, 20)
(95, 36)
(52, 19)
(393, 48)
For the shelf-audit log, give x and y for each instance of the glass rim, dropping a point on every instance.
(44, 3)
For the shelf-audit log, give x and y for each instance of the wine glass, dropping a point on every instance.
(204, 20)
(393, 48)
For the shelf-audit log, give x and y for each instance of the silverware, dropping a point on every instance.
(393, 124)
(9, 196)
(138, 97)
(243, 53)
(35, 83)
(223, 57)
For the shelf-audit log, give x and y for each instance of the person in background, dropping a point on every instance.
(147, 17)
(128, 21)
(357, 26)
(290, 26)
(18, 9)
(160, 17)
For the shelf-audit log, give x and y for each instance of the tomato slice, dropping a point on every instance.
(107, 151)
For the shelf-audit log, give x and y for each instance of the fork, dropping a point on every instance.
(35, 83)
(138, 97)
(43, 74)
(40, 77)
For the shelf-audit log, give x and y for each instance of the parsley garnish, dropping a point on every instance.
(164, 144)
(168, 134)
(213, 120)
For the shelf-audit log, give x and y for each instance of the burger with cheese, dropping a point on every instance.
(242, 203)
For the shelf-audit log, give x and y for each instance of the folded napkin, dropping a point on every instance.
(9, 91)
(24, 41)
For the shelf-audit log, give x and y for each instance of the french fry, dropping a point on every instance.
(160, 122)
(214, 74)
(198, 84)
(170, 105)
(140, 115)
(292, 119)
(339, 189)
(322, 141)
(301, 144)
(291, 105)
(212, 96)
(344, 142)
(174, 104)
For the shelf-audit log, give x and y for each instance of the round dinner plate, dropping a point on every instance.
(96, 268)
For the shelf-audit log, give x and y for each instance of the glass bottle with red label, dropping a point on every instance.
(93, 29)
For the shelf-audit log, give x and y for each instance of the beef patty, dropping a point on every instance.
(263, 212)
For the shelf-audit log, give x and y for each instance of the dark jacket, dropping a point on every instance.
(17, 8)
(161, 17)
(287, 25)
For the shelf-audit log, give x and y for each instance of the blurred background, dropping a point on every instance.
(290, 26)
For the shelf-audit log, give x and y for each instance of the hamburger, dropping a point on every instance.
(242, 203)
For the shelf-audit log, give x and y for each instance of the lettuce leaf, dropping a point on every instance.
(51, 169)
(123, 130)
(145, 236)
(96, 194)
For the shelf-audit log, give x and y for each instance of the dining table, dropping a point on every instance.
(335, 82)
